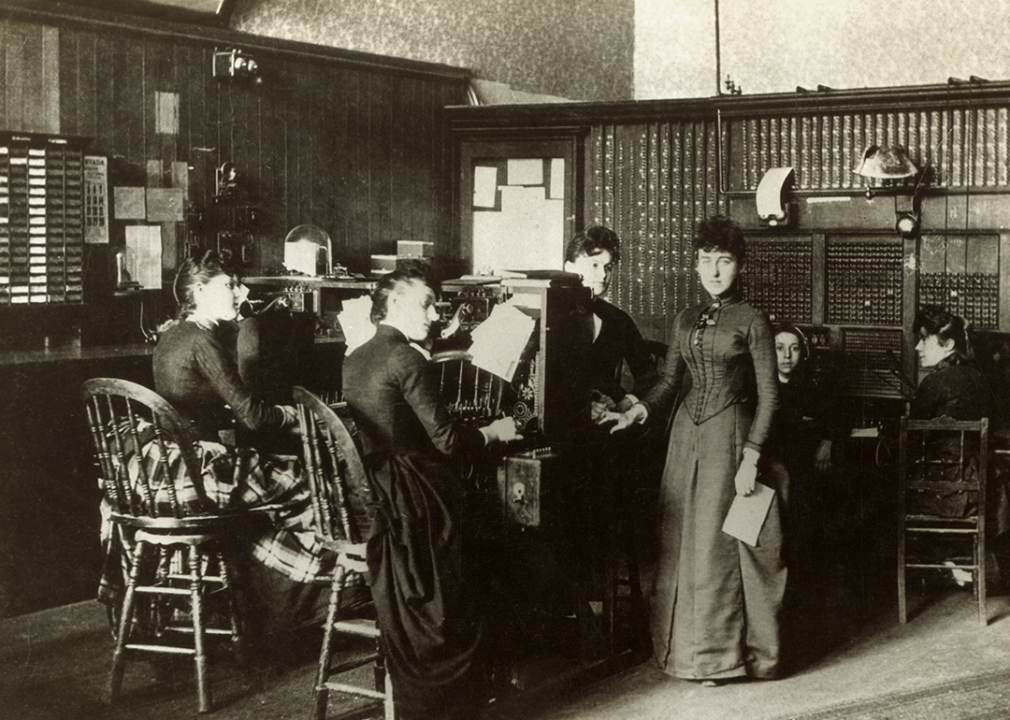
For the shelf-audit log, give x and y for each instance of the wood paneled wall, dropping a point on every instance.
(966, 146)
(29, 78)
(652, 170)
(355, 145)
(652, 183)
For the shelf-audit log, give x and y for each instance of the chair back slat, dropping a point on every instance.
(478, 393)
(114, 492)
(943, 470)
(337, 479)
(322, 504)
(143, 478)
(144, 449)
(338, 496)
(949, 455)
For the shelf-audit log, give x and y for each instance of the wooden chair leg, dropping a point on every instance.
(902, 607)
(237, 637)
(388, 706)
(194, 558)
(322, 694)
(125, 621)
(980, 595)
(379, 667)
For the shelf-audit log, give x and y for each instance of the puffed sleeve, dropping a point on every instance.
(222, 373)
(762, 349)
(419, 384)
(663, 393)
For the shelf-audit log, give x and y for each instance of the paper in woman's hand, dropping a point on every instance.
(747, 514)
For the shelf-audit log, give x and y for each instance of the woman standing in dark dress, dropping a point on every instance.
(716, 602)
(427, 612)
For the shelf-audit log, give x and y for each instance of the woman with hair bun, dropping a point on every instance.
(196, 370)
(427, 596)
(954, 388)
(717, 600)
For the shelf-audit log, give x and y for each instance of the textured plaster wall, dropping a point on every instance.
(775, 45)
(578, 49)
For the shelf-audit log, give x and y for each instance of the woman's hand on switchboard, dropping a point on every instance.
(501, 430)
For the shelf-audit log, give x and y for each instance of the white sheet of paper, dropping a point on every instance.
(557, 190)
(143, 254)
(300, 256)
(522, 201)
(525, 171)
(499, 341)
(747, 514)
(485, 186)
(491, 241)
(355, 322)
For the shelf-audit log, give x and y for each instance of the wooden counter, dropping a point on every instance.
(49, 498)
(73, 354)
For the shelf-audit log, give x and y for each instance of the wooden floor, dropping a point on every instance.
(844, 643)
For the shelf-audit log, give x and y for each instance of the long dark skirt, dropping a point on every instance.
(717, 600)
(431, 631)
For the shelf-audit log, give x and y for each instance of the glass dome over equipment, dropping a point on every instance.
(308, 251)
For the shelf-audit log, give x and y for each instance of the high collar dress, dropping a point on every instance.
(716, 601)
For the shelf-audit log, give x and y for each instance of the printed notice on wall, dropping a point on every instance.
(525, 171)
(143, 255)
(96, 199)
(485, 186)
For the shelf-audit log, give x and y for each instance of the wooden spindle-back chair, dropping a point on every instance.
(340, 494)
(152, 484)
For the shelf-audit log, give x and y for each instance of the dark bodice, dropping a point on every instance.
(807, 413)
(195, 369)
(619, 340)
(393, 391)
(727, 347)
(954, 389)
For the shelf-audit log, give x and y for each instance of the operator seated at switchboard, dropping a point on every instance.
(955, 389)
(195, 369)
(616, 339)
(429, 612)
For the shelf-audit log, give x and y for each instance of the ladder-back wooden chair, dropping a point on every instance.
(151, 480)
(340, 493)
(942, 460)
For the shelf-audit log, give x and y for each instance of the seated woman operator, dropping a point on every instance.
(426, 607)
(954, 389)
(195, 369)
